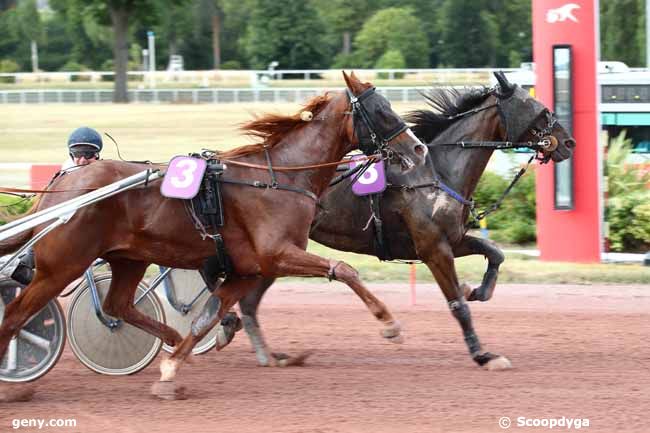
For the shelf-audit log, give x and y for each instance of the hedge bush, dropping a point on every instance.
(627, 209)
(514, 221)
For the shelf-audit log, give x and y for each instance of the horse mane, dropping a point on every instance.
(272, 128)
(446, 102)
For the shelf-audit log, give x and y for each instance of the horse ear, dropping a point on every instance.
(505, 85)
(348, 81)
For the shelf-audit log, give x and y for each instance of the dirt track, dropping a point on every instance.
(577, 351)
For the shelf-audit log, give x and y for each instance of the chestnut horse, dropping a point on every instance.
(265, 231)
(423, 221)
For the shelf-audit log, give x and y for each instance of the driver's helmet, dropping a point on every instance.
(86, 137)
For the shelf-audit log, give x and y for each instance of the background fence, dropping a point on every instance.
(252, 78)
(195, 96)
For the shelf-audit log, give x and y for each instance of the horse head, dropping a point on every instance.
(376, 128)
(528, 120)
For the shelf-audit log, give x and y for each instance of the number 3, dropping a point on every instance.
(188, 173)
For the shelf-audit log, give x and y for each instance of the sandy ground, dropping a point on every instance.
(578, 352)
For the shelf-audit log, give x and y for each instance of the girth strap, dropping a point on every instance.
(382, 248)
(263, 185)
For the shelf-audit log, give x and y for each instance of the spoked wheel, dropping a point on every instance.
(38, 345)
(122, 350)
(188, 289)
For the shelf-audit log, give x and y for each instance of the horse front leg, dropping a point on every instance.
(439, 258)
(472, 245)
(297, 262)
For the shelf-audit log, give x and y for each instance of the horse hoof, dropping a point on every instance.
(398, 339)
(392, 330)
(168, 391)
(227, 329)
(284, 360)
(16, 392)
(499, 363)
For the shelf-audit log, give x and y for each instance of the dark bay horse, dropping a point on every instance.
(428, 223)
(265, 231)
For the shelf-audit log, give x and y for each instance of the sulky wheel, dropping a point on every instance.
(122, 350)
(38, 345)
(185, 303)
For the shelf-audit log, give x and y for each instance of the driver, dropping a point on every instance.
(84, 147)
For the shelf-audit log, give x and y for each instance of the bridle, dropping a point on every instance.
(375, 139)
(544, 142)
(543, 146)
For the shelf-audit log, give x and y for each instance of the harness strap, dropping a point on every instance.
(455, 195)
(438, 184)
(479, 216)
(274, 181)
(263, 185)
(349, 172)
(471, 112)
(495, 145)
(383, 251)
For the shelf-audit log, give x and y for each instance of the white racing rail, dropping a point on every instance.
(62, 212)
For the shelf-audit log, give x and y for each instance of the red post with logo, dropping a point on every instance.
(569, 198)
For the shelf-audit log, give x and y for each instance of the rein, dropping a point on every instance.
(295, 168)
(17, 191)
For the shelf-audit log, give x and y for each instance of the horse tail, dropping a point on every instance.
(10, 245)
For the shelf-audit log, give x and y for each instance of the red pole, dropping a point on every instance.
(412, 282)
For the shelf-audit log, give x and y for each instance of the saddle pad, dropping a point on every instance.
(183, 177)
(372, 181)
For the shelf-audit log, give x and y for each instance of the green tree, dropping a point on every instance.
(469, 34)
(8, 36)
(120, 14)
(236, 16)
(427, 12)
(620, 27)
(385, 31)
(344, 18)
(286, 32)
(514, 27)
(23, 26)
(74, 37)
(6, 4)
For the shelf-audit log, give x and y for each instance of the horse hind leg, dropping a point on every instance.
(248, 306)
(441, 264)
(472, 245)
(214, 310)
(126, 274)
